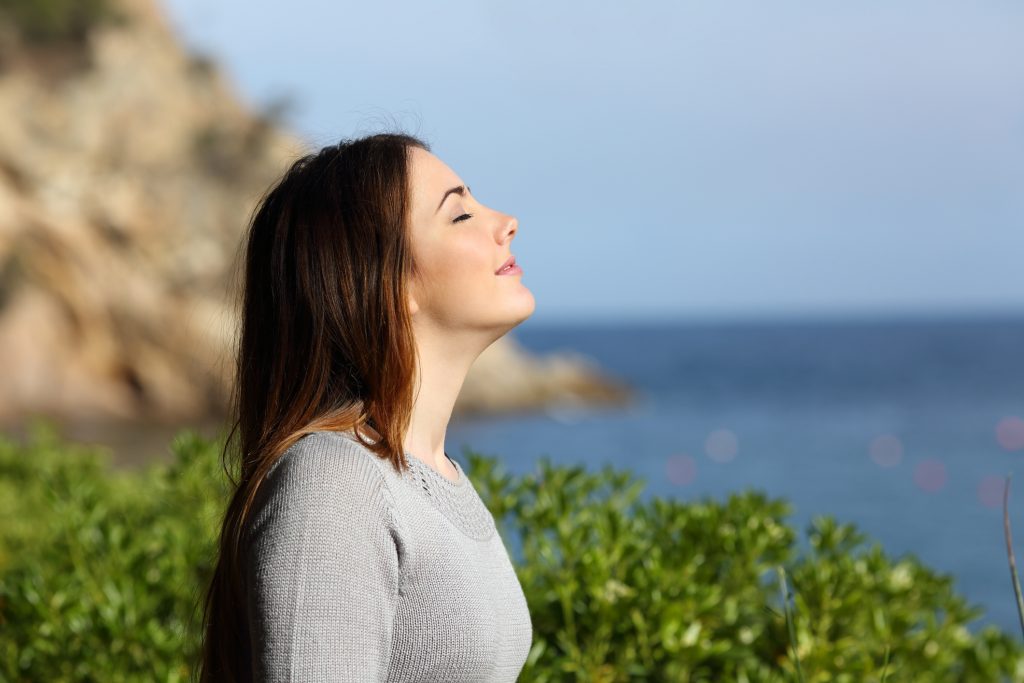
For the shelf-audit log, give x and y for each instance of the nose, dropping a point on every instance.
(510, 228)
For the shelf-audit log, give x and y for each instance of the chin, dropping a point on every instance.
(515, 311)
(526, 311)
(511, 320)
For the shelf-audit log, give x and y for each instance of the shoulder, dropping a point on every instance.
(326, 476)
(324, 561)
(328, 454)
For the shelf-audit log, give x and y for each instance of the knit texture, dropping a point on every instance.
(357, 573)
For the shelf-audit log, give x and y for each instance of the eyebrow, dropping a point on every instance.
(461, 190)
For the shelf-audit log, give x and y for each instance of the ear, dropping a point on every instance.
(412, 303)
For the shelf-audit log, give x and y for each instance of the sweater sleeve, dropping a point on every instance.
(322, 568)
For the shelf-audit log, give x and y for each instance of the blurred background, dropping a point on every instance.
(772, 246)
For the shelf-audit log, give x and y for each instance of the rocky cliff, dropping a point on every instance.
(128, 169)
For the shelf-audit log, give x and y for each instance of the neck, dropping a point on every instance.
(444, 362)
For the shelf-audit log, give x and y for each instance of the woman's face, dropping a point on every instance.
(458, 245)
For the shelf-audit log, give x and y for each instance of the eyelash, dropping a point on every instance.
(463, 217)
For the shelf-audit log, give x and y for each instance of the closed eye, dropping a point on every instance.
(462, 217)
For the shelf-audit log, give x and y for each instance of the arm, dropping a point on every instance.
(322, 568)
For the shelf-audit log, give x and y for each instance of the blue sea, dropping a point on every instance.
(905, 428)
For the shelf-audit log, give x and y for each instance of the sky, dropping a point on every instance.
(685, 160)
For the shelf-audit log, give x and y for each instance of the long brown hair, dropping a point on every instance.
(325, 343)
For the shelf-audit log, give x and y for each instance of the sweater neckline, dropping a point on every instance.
(457, 501)
(433, 475)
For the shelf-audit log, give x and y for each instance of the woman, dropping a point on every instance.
(353, 548)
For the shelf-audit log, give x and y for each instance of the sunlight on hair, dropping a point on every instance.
(681, 469)
(886, 450)
(721, 445)
(990, 491)
(930, 475)
(1010, 433)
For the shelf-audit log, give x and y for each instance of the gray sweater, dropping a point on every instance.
(354, 573)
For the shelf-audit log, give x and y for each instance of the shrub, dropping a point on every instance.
(55, 21)
(101, 574)
(100, 570)
(666, 590)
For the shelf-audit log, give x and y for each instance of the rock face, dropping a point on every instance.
(507, 379)
(125, 187)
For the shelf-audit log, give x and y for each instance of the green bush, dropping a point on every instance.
(100, 576)
(100, 570)
(55, 21)
(671, 591)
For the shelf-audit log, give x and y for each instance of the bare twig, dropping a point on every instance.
(789, 622)
(1009, 551)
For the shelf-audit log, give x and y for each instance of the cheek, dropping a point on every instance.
(460, 263)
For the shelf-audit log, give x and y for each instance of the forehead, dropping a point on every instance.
(429, 178)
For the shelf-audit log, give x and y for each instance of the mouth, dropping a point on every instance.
(507, 266)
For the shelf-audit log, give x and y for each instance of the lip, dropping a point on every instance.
(511, 260)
